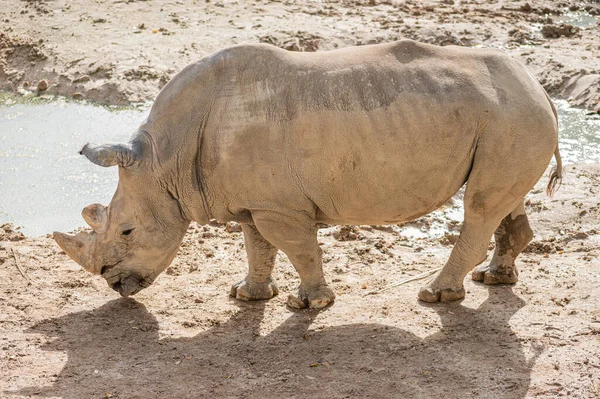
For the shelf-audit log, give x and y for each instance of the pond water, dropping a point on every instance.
(44, 182)
(580, 19)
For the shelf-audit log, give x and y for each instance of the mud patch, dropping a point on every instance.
(556, 31)
(297, 41)
(15, 52)
(8, 232)
(64, 333)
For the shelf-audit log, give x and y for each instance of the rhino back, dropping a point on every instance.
(363, 135)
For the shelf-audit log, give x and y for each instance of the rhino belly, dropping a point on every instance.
(388, 200)
(373, 169)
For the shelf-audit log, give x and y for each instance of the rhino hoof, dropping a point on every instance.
(428, 294)
(491, 275)
(246, 291)
(314, 298)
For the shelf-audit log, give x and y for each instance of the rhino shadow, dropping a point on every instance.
(116, 349)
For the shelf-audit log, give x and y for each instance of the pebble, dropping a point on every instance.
(232, 227)
(42, 85)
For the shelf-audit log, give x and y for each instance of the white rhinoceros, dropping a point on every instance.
(282, 141)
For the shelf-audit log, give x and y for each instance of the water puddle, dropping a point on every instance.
(579, 134)
(580, 19)
(44, 182)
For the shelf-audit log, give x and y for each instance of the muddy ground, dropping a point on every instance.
(65, 334)
(123, 51)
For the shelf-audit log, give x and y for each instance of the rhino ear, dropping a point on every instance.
(110, 154)
(96, 216)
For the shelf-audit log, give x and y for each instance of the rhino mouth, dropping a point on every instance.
(128, 284)
(126, 288)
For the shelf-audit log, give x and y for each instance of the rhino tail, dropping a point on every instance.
(556, 175)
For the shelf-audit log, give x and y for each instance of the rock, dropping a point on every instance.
(526, 7)
(521, 37)
(232, 227)
(556, 31)
(8, 232)
(298, 41)
(42, 85)
(580, 235)
(347, 233)
(449, 239)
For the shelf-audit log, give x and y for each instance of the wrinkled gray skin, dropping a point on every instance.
(281, 141)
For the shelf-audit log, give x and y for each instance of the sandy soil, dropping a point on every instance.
(64, 333)
(122, 51)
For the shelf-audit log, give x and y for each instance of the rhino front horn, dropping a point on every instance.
(77, 247)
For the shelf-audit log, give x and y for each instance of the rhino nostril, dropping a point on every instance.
(116, 286)
(104, 269)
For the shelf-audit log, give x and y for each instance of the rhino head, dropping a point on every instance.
(138, 234)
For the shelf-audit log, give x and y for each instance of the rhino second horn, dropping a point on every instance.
(96, 216)
(76, 247)
(109, 154)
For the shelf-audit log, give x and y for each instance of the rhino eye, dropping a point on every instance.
(127, 232)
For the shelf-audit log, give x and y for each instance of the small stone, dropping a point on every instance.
(232, 227)
(42, 85)
(580, 235)
(526, 7)
(556, 31)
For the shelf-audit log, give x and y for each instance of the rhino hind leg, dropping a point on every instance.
(447, 284)
(296, 236)
(258, 284)
(483, 213)
(505, 167)
(486, 205)
(512, 236)
(469, 251)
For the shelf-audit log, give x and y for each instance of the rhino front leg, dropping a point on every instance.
(258, 284)
(296, 236)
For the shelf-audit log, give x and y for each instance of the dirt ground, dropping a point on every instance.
(65, 334)
(123, 51)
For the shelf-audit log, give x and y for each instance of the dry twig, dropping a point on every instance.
(402, 282)
(18, 265)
